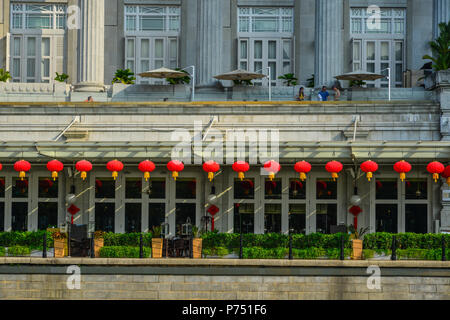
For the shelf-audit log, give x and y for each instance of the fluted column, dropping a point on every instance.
(441, 12)
(91, 43)
(328, 41)
(210, 37)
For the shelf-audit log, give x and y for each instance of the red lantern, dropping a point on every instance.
(213, 210)
(435, 168)
(334, 167)
(241, 167)
(175, 166)
(355, 211)
(22, 167)
(1, 167)
(146, 167)
(369, 167)
(211, 167)
(115, 166)
(303, 168)
(55, 166)
(272, 167)
(402, 167)
(446, 174)
(83, 166)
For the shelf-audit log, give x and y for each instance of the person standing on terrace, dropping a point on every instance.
(323, 94)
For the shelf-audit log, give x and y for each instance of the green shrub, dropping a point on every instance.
(123, 252)
(383, 241)
(126, 239)
(368, 253)
(421, 254)
(33, 240)
(309, 253)
(262, 253)
(18, 251)
(218, 251)
(2, 252)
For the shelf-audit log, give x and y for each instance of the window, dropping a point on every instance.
(47, 203)
(37, 42)
(151, 39)
(186, 202)
(105, 208)
(266, 41)
(376, 49)
(244, 217)
(133, 205)
(2, 204)
(157, 206)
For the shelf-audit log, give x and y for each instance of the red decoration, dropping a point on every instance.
(369, 167)
(435, 168)
(146, 167)
(402, 167)
(272, 167)
(22, 167)
(54, 167)
(212, 210)
(115, 166)
(175, 166)
(355, 211)
(211, 167)
(73, 210)
(303, 168)
(1, 167)
(446, 174)
(241, 167)
(334, 167)
(45, 184)
(83, 166)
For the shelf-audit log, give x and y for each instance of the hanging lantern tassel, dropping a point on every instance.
(302, 176)
(54, 175)
(175, 175)
(210, 176)
(241, 175)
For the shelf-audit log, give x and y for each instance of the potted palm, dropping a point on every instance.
(157, 243)
(99, 242)
(196, 243)
(59, 241)
(440, 59)
(357, 242)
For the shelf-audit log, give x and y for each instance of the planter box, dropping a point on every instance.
(157, 247)
(60, 245)
(197, 248)
(98, 244)
(357, 246)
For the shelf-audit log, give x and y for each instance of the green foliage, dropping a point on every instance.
(383, 241)
(182, 80)
(126, 239)
(368, 253)
(243, 82)
(2, 252)
(262, 253)
(421, 254)
(441, 48)
(218, 251)
(311, 82)
(156, 232)
(18, 251)
(358, 234)
(357, 83)
(33, 240)
(61, 77)
(4, 75)
(123, 252)
(124, 76)
(289, 79)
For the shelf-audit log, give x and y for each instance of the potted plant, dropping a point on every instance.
(59, 240)
(99, 242)
(289, 79)
(157, 243)
(440, 59)
(196, 243)
(61, 77)
(124, 76)
(4, 75)
(357, 242)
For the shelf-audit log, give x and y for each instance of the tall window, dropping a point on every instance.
(377, 47)
(37, 42)
(151, 38)
(266, 41)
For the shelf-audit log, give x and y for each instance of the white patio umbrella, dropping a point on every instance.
(163, 73)
(364, 75)
(246, 75)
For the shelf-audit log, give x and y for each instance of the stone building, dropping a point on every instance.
(89, 40)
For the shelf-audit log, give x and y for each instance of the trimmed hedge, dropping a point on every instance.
(2, 251)
(274, 240)
(126, 239)
(123, 252)
(19, 251)
(383, 241)
(33, 240)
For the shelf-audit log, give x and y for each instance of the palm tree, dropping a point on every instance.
(441, 49)
(124, 76)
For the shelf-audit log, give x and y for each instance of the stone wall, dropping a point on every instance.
(225, 280)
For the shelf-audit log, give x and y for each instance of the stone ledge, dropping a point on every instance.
(224, 262)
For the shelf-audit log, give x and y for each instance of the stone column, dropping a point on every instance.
(210, 35)
(328, 41)
(91, 43)
(441, 13)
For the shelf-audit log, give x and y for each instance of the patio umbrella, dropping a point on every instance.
(360, 75)
(163, 73)
(240, 75)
